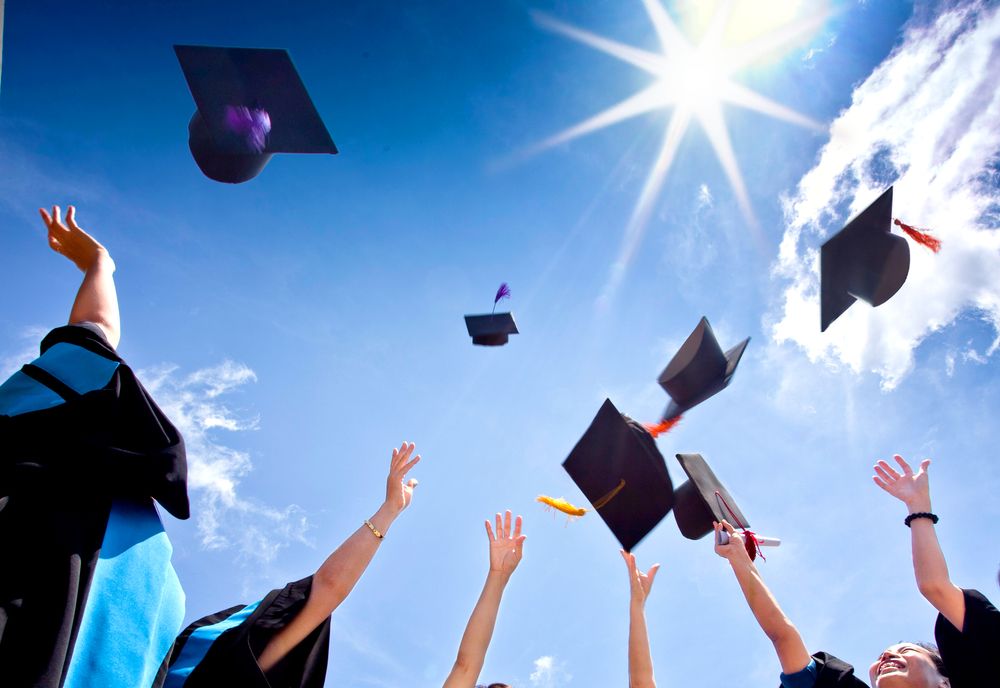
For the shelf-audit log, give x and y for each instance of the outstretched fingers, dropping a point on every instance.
(489, 531)
(902, 464)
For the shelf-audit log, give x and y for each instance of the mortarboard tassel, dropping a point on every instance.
(252, 125)
(502, 293)
(657, 429)
(921, 236)
(560, 504)
(750, 542)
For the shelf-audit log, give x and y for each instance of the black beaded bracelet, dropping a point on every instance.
(920, 514)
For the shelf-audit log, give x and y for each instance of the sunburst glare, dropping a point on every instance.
(695, 81)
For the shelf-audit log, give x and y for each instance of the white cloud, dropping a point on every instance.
(927, 120)
(223, 517)
(27, 351)
(549, 673)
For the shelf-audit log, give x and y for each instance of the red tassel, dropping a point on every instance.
(658, 429)
(921, 236)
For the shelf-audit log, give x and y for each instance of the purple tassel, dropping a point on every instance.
(502, 293)
(252, 125)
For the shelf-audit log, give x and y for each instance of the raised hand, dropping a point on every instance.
(913, 489)
(69, 240)
(735, 551)
(640, 583)
(505, 546)
(398, 490)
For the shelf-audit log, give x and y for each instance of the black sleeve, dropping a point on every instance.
(964, 651)
(232, 658)
(831, 672)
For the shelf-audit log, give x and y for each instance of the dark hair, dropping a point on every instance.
(493, 685)
(935, 655)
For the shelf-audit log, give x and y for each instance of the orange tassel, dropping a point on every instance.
(921, 236)
(657, 429)
(560, 504)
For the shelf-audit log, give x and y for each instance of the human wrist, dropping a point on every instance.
(499, 576)
(383, 518)
(918, 504)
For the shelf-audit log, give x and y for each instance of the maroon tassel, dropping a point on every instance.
(921, 236)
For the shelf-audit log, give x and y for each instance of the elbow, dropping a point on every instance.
(466, 666)
(782, 633)
(328, 587)
(934, 590)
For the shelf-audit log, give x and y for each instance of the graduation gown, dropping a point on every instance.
(968, 653)
(831, 672)
(87, 593)
(221, 649)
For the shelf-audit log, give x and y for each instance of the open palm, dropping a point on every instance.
(505, 545)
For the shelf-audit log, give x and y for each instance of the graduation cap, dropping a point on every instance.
(703, 499)
(865, 260)
(492, 329)
(698, 370)
(251, 104)
(621, 472)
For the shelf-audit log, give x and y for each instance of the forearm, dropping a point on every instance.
(97, 300)
(791, 651)
(640, 663)
(341, 571)
(930, 568)
(332, 583)
(478, 633)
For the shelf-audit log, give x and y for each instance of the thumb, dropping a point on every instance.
(653, 570)
(412, 483)
(924, 464)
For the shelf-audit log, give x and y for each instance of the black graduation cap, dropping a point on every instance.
(490, 329)
(698, 370)
(251, 104)
(864, 260)
(621, 472)
(703, 499)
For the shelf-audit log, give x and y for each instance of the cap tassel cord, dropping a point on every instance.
(657, 429)
(752, 544)
(610, 495)
(921, 236)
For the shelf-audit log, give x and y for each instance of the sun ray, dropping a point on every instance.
(647, 100)
(643, 59)
(696, 81)
(744, 97)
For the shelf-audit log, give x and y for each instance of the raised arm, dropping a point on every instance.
(335, 579)
(929, 566)
(505, 555)
(792, 652)
(96, 300)
(640, 663)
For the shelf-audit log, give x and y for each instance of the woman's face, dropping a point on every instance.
(905, 666)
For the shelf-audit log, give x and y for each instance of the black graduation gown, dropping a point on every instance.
(968, 653)
(78, 436)
(833, 672)
(221, 649)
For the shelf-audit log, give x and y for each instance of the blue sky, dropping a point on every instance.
(301, 325)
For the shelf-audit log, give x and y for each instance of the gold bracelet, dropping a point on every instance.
(375, 531)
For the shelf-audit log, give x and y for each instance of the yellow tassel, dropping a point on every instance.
(562, 505)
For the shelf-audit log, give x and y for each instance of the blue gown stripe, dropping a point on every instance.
(136, 604)
(81, 370)
(78, 368)
(20, 394)
(198, 644)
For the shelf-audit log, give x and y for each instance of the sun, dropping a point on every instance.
(695, 81)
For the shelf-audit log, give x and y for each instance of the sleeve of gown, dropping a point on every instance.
(825, 671)
(963, 651)
(222, 649)
(106, 432)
